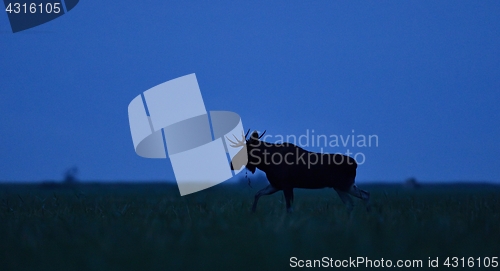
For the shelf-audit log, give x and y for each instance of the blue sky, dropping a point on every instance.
(424, 76)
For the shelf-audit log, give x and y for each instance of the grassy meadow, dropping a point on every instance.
(151, 227)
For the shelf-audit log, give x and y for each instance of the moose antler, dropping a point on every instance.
(238, 142)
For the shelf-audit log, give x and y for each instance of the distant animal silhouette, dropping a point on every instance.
(288, 166)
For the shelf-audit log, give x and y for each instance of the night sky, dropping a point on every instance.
(423, 76)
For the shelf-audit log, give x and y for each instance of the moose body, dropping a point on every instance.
(288, 166)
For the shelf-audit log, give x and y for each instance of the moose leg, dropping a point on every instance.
(346, 199)
(289, 199)
(266, 191)
(361, 194)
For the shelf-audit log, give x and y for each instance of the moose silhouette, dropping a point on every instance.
(288, 166)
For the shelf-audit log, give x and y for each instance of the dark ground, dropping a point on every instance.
(151, 227)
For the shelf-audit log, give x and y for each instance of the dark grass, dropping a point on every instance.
(151, 227)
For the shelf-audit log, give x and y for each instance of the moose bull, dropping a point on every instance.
(288, 166)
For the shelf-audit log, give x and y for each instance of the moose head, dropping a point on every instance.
(242, 158)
